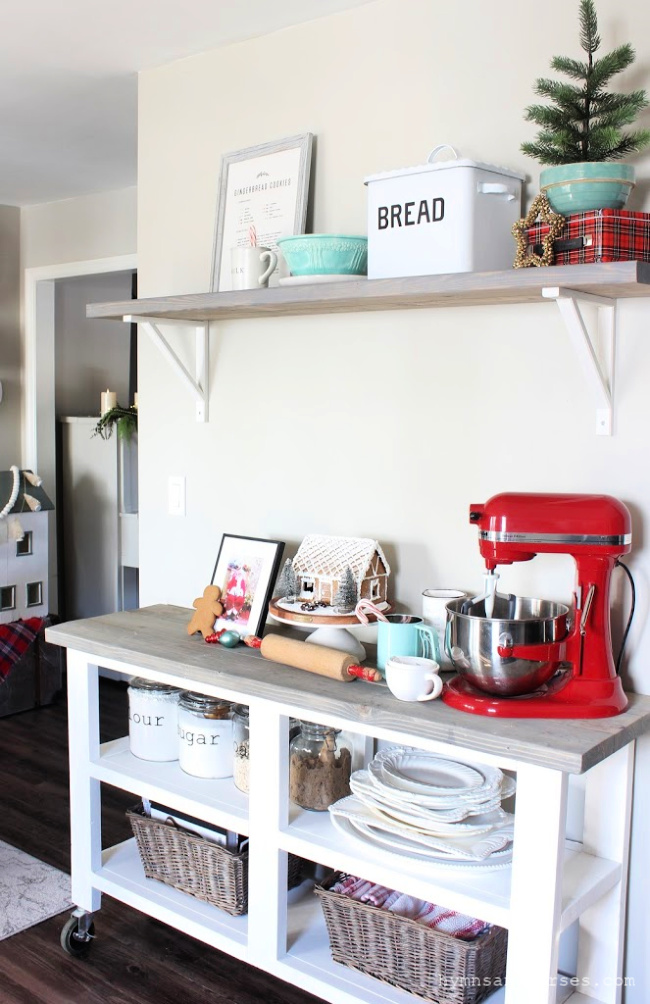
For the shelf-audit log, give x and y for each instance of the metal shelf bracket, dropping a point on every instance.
(197, 384)
(598, 366)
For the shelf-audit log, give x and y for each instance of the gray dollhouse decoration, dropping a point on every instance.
(322, 564)
(24, 519)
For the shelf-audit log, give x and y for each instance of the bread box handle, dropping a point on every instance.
(438, 149)
(496, 188)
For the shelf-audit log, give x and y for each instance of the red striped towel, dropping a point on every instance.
(458, 925)
(15, 639)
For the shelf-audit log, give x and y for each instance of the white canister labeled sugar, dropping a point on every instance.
(153, 720)
(205, 743)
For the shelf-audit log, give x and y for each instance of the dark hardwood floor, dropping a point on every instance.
(133, 957)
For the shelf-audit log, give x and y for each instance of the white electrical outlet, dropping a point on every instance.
(176, 496)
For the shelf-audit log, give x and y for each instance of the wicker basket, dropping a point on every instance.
(404, 953)
(295, 870)
(191, 863)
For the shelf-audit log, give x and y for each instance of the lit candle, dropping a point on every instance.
(109, 401)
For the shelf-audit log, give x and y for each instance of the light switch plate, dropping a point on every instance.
(176, 496)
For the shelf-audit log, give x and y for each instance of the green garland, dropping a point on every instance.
(126, 420)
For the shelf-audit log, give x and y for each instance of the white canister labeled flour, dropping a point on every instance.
(153, 720)
(205, 744)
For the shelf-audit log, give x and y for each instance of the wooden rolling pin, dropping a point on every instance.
(315, 658)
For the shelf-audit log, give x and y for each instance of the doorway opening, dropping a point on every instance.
(69, 361)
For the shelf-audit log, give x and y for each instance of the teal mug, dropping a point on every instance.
(405, 634)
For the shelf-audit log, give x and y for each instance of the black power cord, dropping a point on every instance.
(627, 571)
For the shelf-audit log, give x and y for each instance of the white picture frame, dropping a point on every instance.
(263, 195)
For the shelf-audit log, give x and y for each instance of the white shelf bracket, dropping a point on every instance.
(197, 384)
(599, 371)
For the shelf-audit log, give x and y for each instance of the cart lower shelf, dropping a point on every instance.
(307, 962)
(122, 877)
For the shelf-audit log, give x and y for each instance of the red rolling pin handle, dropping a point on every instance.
(365, 673)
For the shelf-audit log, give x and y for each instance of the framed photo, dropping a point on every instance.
(245, 570)
(263, 194)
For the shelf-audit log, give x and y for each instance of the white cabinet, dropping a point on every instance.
(552, 883)
(98, 560)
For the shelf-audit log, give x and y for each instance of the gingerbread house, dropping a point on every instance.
(23, 546)
(321, 562)
(30, 667)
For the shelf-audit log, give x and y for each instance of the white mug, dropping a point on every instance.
(248, 268)
(412, 678)
(434, 613)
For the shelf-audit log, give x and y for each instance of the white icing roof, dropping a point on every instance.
(328, 557)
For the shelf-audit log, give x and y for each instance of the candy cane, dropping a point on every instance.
(252, 233)
(365, 606)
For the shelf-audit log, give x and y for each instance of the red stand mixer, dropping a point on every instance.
(574, 675)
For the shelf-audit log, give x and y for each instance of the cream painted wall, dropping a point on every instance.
(92, 226)
(381, 425)
(54, 236)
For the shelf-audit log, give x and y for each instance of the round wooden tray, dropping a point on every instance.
(315, 619)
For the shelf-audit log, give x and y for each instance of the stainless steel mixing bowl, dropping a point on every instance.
(472, 641)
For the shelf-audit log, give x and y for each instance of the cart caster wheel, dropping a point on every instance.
(73, 941)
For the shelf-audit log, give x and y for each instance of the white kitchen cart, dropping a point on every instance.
(573, 806)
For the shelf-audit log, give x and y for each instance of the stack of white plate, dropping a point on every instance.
(425, 806)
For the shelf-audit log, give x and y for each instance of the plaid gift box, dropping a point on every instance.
(600, 235)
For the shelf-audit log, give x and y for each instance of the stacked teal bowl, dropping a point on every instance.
(325, 254)
(581, 188)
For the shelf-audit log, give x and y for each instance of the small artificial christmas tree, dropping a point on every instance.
(287, 586)
(585, 122)
(346, 595)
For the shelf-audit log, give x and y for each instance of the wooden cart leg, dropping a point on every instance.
(607, 821)
(85, 802)
(269, 808)
(536, 898)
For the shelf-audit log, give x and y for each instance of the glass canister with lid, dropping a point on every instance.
(240, 745)
(204, 735)
(153, 720)
(319, 768)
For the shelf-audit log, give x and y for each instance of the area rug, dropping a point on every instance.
(30, 891)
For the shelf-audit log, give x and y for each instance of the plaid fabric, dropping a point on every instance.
(15, 639)
(458, 925)
(601, 235)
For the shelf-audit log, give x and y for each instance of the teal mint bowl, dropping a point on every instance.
(325, 254)
(580, 188)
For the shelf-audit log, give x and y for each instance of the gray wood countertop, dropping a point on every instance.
(156, 638)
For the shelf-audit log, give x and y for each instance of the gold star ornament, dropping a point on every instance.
(541, 209)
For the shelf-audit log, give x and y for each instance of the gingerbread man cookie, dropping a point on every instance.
(207, 609)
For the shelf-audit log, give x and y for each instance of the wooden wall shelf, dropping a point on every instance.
(464, 289)
(568, 285)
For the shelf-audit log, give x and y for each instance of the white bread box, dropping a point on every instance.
(443, 216)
